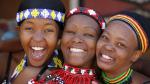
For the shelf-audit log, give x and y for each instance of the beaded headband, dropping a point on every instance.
(89, 12)
(40, 13)
(136, 27)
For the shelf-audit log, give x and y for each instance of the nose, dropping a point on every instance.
(38, 36)
(77, 38)
(109, 47)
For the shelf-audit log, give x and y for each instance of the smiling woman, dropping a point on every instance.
(124, 40)
(40, 23)
(83, 26)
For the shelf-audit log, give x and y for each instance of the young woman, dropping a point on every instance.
(40, 23)
(124, 40)
(83, 27)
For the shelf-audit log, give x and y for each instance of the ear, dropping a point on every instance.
(18, 28)
(136, 55)
(58, 43)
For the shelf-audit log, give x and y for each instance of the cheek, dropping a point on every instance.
(123, 54)
(65, 40)
(91, 44)
(99, 46)
(52, 40)
(25, 39)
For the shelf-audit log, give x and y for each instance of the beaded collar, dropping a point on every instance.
(124, 78)
(82, 71)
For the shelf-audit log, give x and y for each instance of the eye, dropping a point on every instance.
(48, 30)
(69, 32)
(28, 28)
(104, 37)
(120, 45)
(88, 35)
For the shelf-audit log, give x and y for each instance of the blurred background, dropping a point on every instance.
(106, 8)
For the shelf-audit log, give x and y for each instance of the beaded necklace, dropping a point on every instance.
(124, 78)
(55, 62)
(75, 70)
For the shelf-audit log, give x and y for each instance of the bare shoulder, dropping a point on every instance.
(139, 78)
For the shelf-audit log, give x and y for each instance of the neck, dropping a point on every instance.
(79, 66)
(116, 72)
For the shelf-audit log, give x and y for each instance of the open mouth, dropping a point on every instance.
(37, 53)
(105, 58)
(76, 53)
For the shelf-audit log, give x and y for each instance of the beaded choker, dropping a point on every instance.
(75, 70)
(123, 78)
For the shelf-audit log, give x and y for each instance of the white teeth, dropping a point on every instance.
(76, 50)
(37, 48)
(107, 57)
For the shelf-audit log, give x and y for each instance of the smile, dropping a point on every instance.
(37, 48)
(107, 57)
(77, 50)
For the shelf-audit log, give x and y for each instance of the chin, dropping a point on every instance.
(74, 64)
(37, 65)
(104, 67)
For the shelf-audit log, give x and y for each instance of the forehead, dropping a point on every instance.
(39, 21)
(82, 20)
(121, 30)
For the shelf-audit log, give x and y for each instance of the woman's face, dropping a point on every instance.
(39, 39)
(79, 40)
(116, 48)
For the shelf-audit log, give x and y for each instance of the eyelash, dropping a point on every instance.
(70, 32)
(48, 30)
(121, 45)
(103, 37)
(28, 28)
(88, 35)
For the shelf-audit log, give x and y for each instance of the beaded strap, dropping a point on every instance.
(19, 68)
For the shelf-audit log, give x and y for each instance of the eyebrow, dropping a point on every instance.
(49, 23)
(118, 37)
(29, 22)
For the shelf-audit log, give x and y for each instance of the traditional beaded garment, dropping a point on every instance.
(74, 75)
